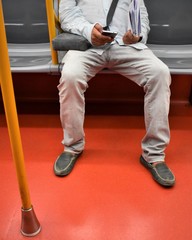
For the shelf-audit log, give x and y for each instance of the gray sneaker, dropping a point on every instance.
(160, 172)
(65, 163)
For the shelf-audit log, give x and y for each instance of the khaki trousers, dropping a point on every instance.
(139, 66)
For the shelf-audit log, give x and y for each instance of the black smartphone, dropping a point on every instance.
(109, 33)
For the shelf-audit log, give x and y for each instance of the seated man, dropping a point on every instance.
(127, 55)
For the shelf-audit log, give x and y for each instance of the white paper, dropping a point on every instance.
(134, 17)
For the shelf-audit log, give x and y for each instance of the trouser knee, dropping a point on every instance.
(160, 79)
(72, 82)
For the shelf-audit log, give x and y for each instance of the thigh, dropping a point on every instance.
(137, 65)
(85, 64)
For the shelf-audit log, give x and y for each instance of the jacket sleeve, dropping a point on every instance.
(72, 19)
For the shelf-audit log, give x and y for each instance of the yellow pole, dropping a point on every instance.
(13, 128)
(51, 27)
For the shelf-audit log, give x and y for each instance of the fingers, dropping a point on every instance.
(130, 38)
(99, 27)
(97, 38)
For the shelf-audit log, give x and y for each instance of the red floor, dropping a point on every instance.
(109, 195)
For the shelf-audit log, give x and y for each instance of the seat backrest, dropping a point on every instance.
(170, 22)
(25, 21)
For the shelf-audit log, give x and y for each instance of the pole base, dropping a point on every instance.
(29, 225)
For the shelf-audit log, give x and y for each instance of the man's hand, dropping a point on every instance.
(97, 38)
(129, 38)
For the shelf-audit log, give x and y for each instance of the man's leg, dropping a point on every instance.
(145, 69)
(78, 68)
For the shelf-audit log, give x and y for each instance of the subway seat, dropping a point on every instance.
(28, 40)
(37, 58)
(177, 57)
(30, 57)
